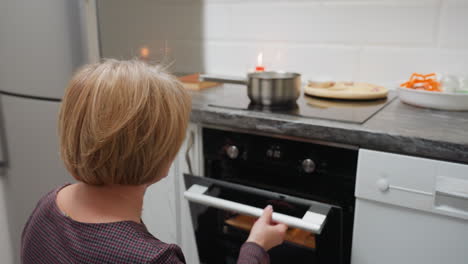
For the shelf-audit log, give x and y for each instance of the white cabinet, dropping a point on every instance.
(190, 160)
(410, 210)
(165, 212)
(159, 208)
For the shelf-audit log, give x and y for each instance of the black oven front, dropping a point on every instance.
(310, 186)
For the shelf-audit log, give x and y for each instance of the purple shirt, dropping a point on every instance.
(51, 237)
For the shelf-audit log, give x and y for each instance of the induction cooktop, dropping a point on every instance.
(357, 112)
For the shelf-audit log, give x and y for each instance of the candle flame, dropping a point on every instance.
(260, 59)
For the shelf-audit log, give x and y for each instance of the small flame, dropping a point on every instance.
(260, 59)
(260, 67)
(144, 53)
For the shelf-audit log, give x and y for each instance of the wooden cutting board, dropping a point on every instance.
(191, 82)
(346, 90)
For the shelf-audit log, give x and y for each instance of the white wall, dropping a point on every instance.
(373, 40)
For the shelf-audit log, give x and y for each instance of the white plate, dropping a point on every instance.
(435, 100)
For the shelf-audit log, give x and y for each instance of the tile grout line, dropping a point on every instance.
(222, 41)
(437, 23)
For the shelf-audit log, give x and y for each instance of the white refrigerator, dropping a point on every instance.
(41, 44)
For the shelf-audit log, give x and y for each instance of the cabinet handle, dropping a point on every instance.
(451, 196)
(190, 143)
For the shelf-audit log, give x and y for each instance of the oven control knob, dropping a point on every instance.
(308, 166)
(232, 152)
(277, 154)
(269, 153)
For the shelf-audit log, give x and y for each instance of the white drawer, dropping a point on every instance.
(418, 183)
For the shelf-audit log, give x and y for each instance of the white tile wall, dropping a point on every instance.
(381, 41)
(395, 64)
(337, 23)
(461, 3)
(454, 25)
(317, 61)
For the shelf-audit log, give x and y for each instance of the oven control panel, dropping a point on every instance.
(282, 164)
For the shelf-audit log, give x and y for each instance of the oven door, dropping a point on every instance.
(223, 214)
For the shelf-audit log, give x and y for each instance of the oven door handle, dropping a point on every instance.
(312, 221)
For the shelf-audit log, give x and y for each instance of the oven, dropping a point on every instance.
(309, 184)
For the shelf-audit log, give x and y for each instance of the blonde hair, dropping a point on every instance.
(122, 122)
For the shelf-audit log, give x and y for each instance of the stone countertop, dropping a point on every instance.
(398, 128)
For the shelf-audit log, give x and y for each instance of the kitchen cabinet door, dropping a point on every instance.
(159, 208)
(189, 161)
(165, 211)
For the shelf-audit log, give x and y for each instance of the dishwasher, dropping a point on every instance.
(410, 210)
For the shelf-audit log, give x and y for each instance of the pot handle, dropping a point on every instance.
(223, 79)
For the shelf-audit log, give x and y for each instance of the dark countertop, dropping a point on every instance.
(398, 128)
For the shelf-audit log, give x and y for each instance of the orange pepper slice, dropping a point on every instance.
(426, 82)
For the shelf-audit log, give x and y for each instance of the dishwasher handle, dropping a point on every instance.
(451, 196)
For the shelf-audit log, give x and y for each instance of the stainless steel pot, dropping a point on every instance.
(266, 88)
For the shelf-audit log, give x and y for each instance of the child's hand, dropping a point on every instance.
(265, 233)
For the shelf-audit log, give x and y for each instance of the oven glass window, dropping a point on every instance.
(221, 233)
